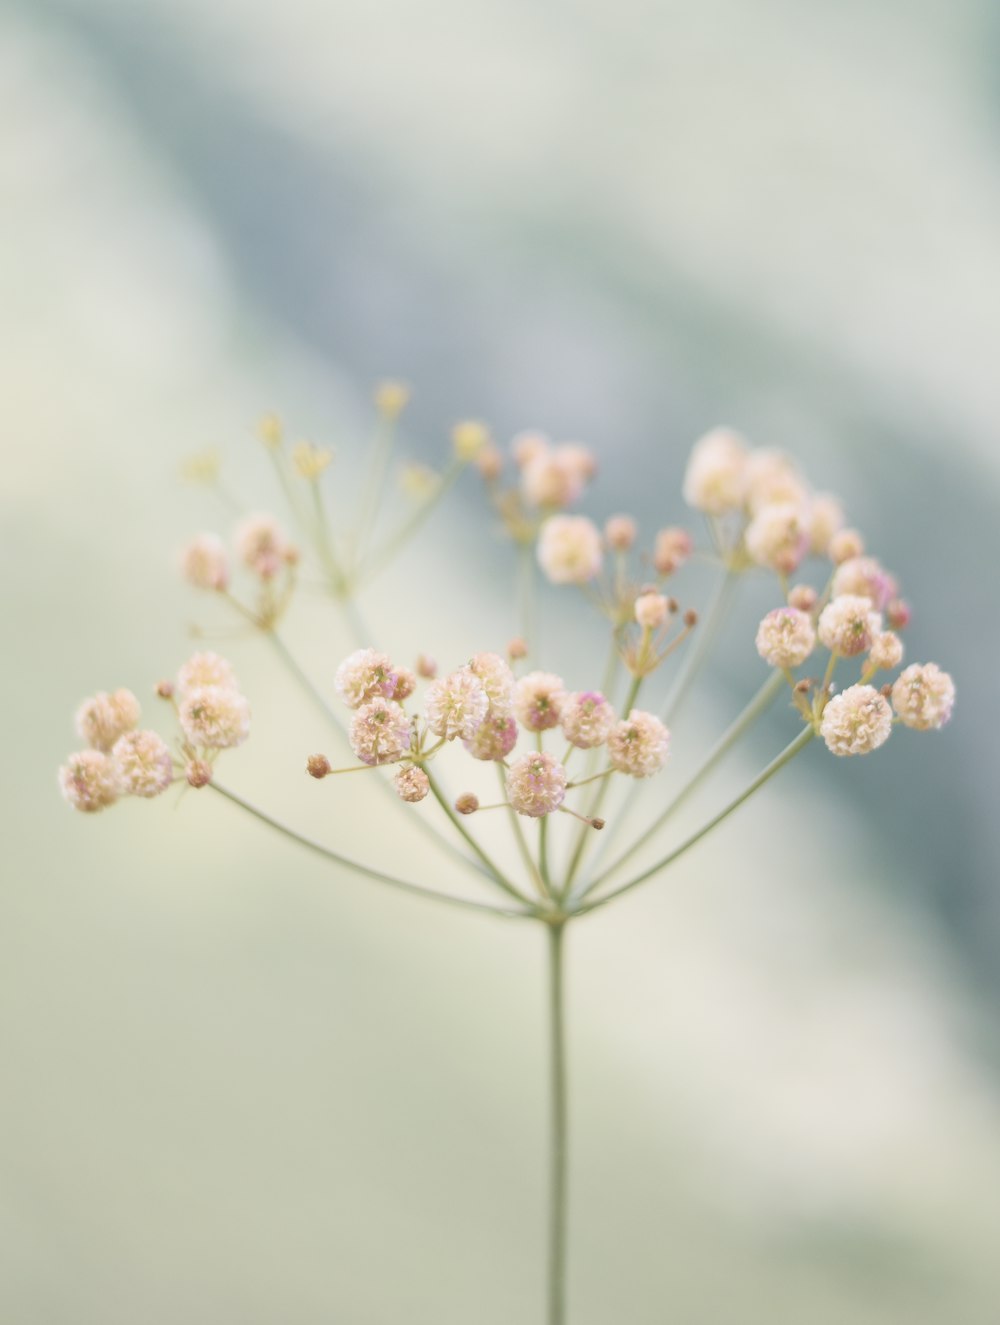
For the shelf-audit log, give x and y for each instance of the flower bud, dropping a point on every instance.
(620, 533)
(467, 803)
(318, 766)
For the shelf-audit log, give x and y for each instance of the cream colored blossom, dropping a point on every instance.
(673, 547)
(886, 652)
(536, 785)
(412, 784)
(924, 697)
(786, 637)
(865, 578)
(494, 738)
(206, 669)
(716, 477)
(380, 732)
(364, 674)
(845, 545)
(849, 625)
(538, 700)
(620, 532)
(651, 610)
(587, 719)
(569, 549)
(89, 781)
(144, 764)
(778, 537)
(101, 719)
(406, 684)
(469, 438)
(857, 721)
(205, 563)
(826, 518)
(773, 479)
(555, 479)
(639, 745)
(261, 545)
(497, 680)
(216, 717)
(455, 705)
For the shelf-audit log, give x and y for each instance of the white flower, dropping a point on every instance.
(455, 705)
(380, 732)
(364, 674)
(639, 745)
(538, 700)
(786, 637)
(536, 785)
(89, 781)
(856, 722)
(778, 537)
(569, 549)
(864, 577)
(716, 477)
(216, 717)
(587, 719)
(206, 669)
(848, 626)
(205, 563)
(101, 719)
(924, 697)
(144, 764)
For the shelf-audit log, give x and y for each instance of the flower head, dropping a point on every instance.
(652, 610)
(826, 519)
(856, 722)
(456, 704)
(773, 479)
(206, 669)
(101, 719)
(587, 719)
(364, 674)
(569, 549)
(639, 745)
(864, 577)
(849, 626)
(216, 717)
(778, 536)
(469, 438)
(380, 732)
(716, 476)
(412, 783)
(538, 700)
(886, 652)
(786, 637)
(620, 532)
(924, 697)
(144, 764)
(261, 545)
(205, 563)
(89, 781)
(497, 680)
(494, 738)
(555, 478)
(536, 785)
(671, 550)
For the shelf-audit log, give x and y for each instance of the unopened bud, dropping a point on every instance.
(198, 773)
(845, 545)
(317, 766)
(620, 533)
(427, 667)
(597, 823)
(165, 689)
(690, 618)
(803, 596)
(671, 550)
(900, 613)
(489, 462)
(517, 649)
(467, 803)
(469, 438)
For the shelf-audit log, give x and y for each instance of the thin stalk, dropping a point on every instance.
(527, 600)
(495, 873)
(543, 853)
(376, 562)
(520, 839)
(381, 455)
(786, 756)
(559, 1157)
(695, 656)
(764, 697)
(379, 876)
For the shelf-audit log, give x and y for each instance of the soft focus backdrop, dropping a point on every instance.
(240, 1089)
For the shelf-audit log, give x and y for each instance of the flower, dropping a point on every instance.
(364, 674)
(455, 705)
(469, 438)
(497, 680)
(101, 719)
(206, 669)
(391, 398)
(198, 773)
(886, 652)
(845, 545)
(786, 637)
(569, 549)
(924, 697)
(778, 537)
(856, 722)
(671, 550)
(538, 700)
(144, 764)
(216, 717)
(864, 577)
(261, 545)
(587, 719)
(639, 745)
(89, 781)
(620, 532)
(412, 783)
(773, 479)
(716, 476)
(555, 478)
(536, 785)
(205, 563)
(651, 610)
(826, 518)
(380, 732)
(494, 738)
(848, 625)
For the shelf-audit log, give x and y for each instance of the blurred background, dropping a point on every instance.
(240, 1088)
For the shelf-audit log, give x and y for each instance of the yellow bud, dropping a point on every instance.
(469, 438)
(271, 431)
(310, 460)
(417, 481)
(201, 468)
(391, 398)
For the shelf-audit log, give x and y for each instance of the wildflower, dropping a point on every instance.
(538, 700)
(865, 578)
(469, 439)
(536, 785)
(198, 773)
(886, 652)
(845, 545)
(826, 518)
(261, 545)
(406, 684)
(848, 625)
(803, 596)
(923, 697)
(380, 732)
(89, 781)
(569, 549)
(651, 610)
(856, 722)
(205, 563)
(364, 674)
(517, 649)
(318, 766)
(778, 537)
(426, 667)
(101, 719)
(671, 550)
(467, 803)
(786, 637)
(391, 398)
(587, 719)
(639, 745)
(206, 669)
(773, 479)
(144, 764)
(216, 717)
(555, 479)
(493, 739)
(900, 613)
(497, 680)
(620, 533)
(716, 476)
(412, 783)
(455, 705)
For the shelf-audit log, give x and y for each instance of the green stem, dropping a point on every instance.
(380, 557)
(559, 1098)
(337, 859)
(786, 756)
(697, 654)
(496, 874)
(519, 838)
(375, 486)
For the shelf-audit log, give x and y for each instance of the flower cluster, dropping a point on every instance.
(260, 547)
(548, 478)
(120, 759)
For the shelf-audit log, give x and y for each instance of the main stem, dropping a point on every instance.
(559, 1173)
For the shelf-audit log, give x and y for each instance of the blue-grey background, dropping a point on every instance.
(241, 1089)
